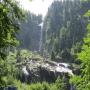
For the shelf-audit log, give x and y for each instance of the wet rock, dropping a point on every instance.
(37, 70)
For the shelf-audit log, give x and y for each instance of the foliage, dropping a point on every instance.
(10, 14)
(52, 56)
(64, 30)
(8, 70)
(63, 36)
(58, 85)
(29, 35)
(82, 82)
(26, 54)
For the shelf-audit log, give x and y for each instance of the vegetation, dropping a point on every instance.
(64, 32)
(58, 85)
(10, 13)
(82, 82)
(29, 34)
(65, 37)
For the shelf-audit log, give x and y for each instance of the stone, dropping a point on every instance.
(38, 70)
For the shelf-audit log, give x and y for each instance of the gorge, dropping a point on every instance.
(46, 50)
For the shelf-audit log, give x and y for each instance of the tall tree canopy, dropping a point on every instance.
(30, 32)
(10, 13)
(64, 27)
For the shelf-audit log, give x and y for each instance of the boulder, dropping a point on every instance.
(37, 70)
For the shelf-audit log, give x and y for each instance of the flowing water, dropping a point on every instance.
(41, 36)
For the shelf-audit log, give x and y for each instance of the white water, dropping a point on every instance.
(25, 71)
(64, 69)
(41, 36)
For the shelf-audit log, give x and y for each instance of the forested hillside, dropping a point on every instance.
(64, 28)
(45, 53)
(29, 35)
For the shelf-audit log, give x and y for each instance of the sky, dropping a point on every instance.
(36, 6)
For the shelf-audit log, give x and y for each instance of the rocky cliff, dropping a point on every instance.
(44, 70)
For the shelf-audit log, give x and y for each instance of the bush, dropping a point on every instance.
(45, 86)
(53, 87)
(60, 84)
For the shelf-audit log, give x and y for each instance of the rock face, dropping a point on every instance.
(37, 70)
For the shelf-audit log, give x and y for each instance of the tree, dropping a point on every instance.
(29, 35)
(82, 82)
(66, 28)
(10, 14)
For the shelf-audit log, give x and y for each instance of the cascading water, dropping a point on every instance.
(41, 32)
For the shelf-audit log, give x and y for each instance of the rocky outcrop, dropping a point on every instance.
(38, 70)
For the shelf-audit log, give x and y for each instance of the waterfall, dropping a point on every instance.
(41, 36)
